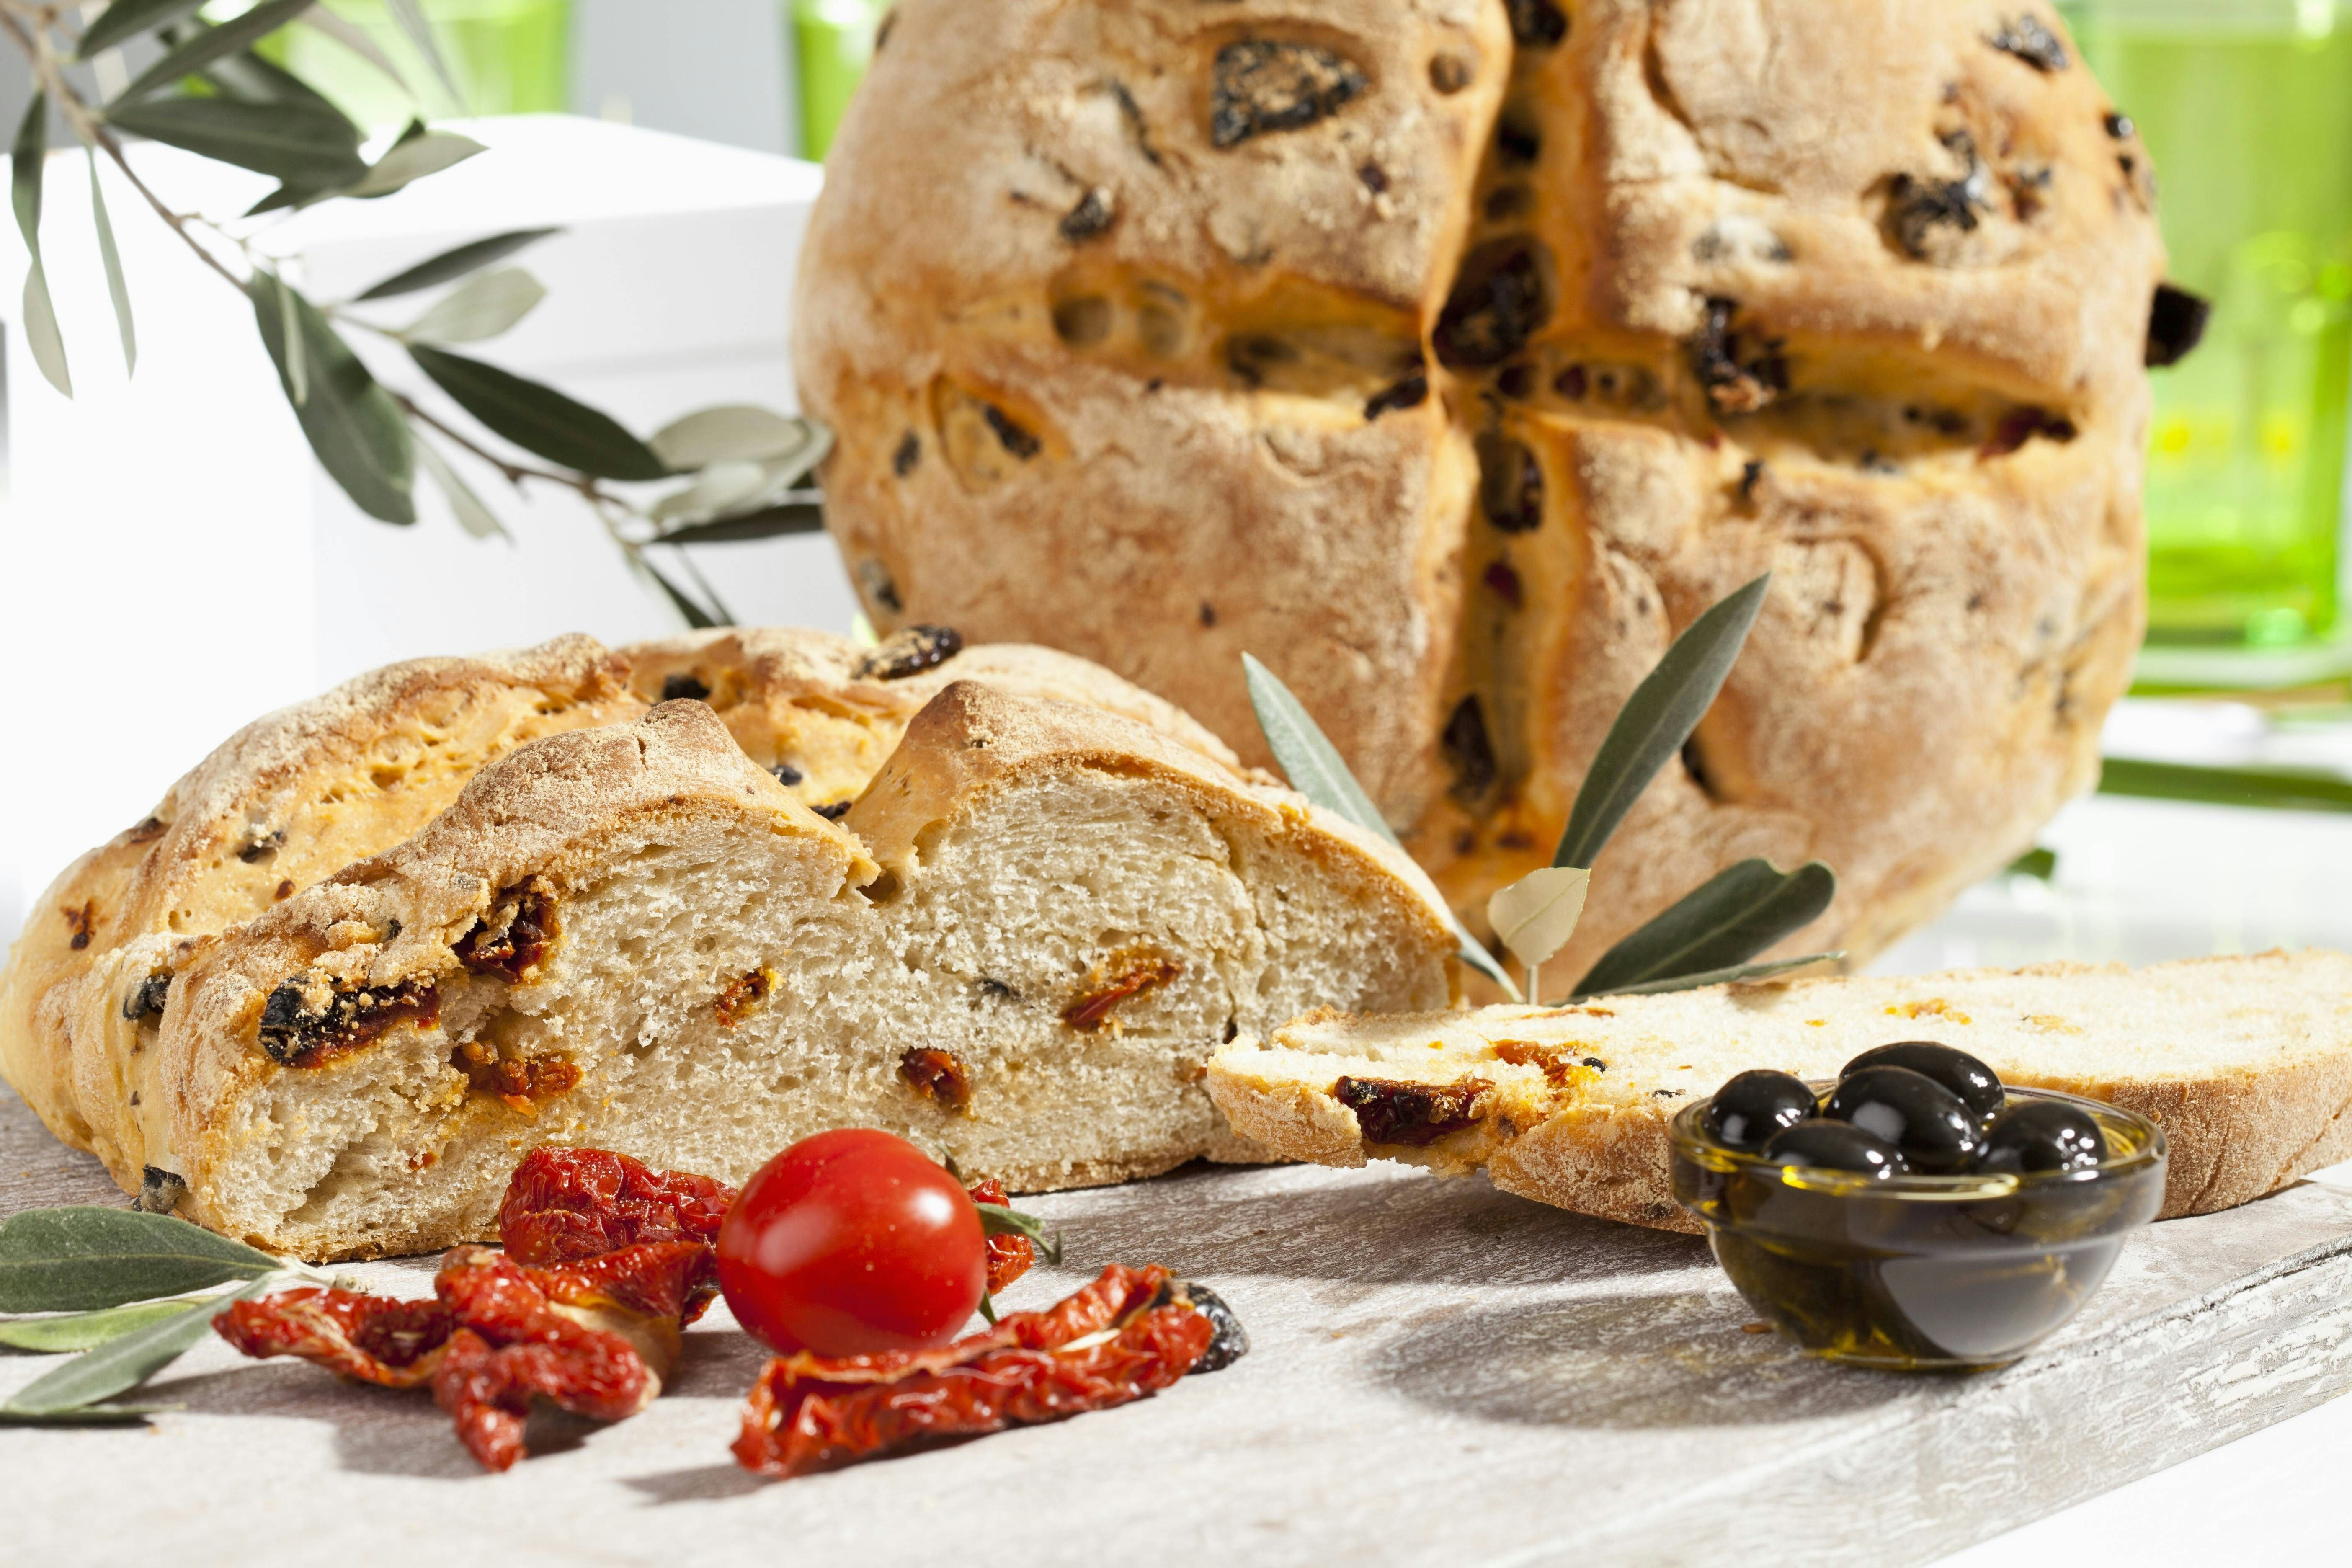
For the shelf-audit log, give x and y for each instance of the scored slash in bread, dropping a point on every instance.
(1018, 951)
(2246, 1063)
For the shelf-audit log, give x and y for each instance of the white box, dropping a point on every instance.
(173, 563)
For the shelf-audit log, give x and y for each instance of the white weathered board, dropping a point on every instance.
(1442, 1373)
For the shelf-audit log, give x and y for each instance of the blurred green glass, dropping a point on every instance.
(2247, 108)
(510, 57)
(833, 42)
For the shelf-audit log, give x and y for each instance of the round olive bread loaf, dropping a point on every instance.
(1451, 356)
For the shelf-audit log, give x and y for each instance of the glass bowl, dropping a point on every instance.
(1957, 1273)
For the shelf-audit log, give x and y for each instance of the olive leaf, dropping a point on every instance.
(411, 159)
(1315, 770)
(1721, 977)
(720, 488)
(126, 1363)
(741, 433)
(482, 307)
(309, 147)
(2040, 863)
(472, 515)
(996, 1219)
(117, 289)
(803, 515)
(1722, 923)
(469, 257)
(696, 617)
(356, 40)
(192, 54)
(83, 1416)
(2274, 789)
(85, 1257)
(26, 164)
(540, 419)
(126, 20)
(248, 77)
(296, 361)
(1656, 721)
(66, 1331)
(351, 423)
(1536, 915)
(411, 17)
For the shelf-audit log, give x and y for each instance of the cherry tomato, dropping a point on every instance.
(851, 1242)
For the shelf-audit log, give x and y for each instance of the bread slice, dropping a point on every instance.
(1018, 951)
(296, 796)
(822, 712)
(2245, 1062)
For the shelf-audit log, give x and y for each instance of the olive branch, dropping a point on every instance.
(211, 93)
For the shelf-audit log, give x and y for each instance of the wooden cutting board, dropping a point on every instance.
(1441, 1373)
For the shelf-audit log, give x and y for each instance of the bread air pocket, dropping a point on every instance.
(1018, 951)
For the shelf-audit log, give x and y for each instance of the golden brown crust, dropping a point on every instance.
(290, 799)
(823, 712)
(1150, 429)
(2246, 1062)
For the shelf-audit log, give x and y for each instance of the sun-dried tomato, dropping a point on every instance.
(374, 1339)
(1128, 1334)
(565, 1204)
(1009, 1256)
(595, 1336)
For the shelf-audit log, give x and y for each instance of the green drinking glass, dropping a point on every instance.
(510, 57)
(2247, 107)
(833, 42)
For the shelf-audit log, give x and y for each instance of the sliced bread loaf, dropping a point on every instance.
(2245, 1062)
(1018, 951)
(296, 796)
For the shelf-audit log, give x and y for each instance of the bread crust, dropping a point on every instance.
(1947, 489)
(2245, 1062)
(285, 802)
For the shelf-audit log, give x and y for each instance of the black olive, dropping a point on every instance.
(1977, 1085)
(1230, 1343)
(2041, 1135)
(684, 689)
(1909, 1110)
(2176, 324)
(1747, 1111)
(1835, 1146)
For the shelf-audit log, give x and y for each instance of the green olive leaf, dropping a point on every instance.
(308, 146)
(1763, 971)
(802, 515)
(540, 419)
(1536, 915)
(194, 53)
(27, 162)
(86, 1257)
(356, 40)
(410, 160)
(83, 1416)
(66, 1331)
(483, 306)
(996, 1219)
(125, 1363)
(127, 18)
(1717, 926)
(2272, 789)
(1315, 770)
(743, 433)
(696, 618)
(117, 289)
(2040, 863)
(472, 515)
(1656, 719)
(411, 17)
(352, 425)
(457, 262)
